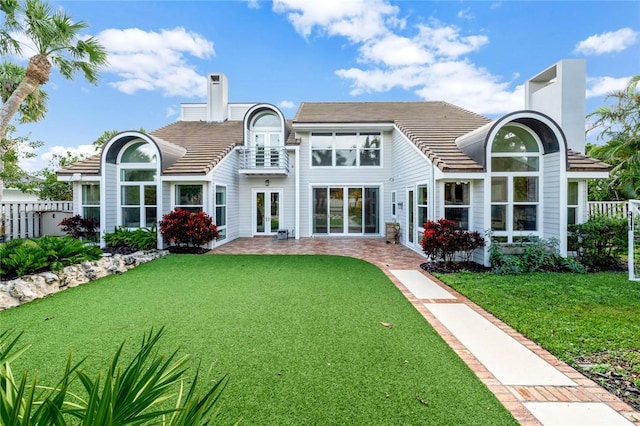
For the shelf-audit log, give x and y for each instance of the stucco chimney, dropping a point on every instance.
(217, 97)
(559, 92)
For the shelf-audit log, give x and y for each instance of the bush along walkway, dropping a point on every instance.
(536, 387)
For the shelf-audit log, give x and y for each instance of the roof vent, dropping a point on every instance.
(215, 78)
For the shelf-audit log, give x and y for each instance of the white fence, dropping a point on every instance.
(609, 208)
(32, 219)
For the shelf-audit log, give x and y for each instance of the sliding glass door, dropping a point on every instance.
(345, 210)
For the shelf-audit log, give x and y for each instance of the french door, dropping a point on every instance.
(345, 210)
(267, 212)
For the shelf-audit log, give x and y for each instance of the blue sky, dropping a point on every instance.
(475, 54)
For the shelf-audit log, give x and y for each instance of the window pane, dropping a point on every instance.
(320, 211)
(131, 217)
(423, 215)
(423, 192)
(571, 215)
(514, 139)
(189, 195)
(355, 210)
(346, 157)
(525, 188)
(456, 193)
(222, 234)
(139, 175)
(499, 218)
(267, 120)
(524, 218)
(321, 157)
(371, 211)
(130, 195)
(150, 195)
(221, 216)
(499, 189)
(514, 164)
(460, 215)
(150, 216)
(140, 152)
(336, 210)
(91, 213)
(221, 195)
(370, 140)
(346, 149)
(321, 141)
(370, 157)
(572, 194)
(91, 194)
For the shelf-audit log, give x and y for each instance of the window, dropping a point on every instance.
(189, 197)
(221, 212)
(423, 205)
(91, 202)
(341, 210)
(515, 182)
(572, 203)
(346, 149)
(457, 203)
(394, 203)
(267, 139)
(137, 185)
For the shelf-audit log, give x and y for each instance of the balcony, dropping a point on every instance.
(264, 161)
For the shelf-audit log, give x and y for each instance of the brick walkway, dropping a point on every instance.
(397, 257)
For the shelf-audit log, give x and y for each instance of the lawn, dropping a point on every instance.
(580, 318)
(300, 337)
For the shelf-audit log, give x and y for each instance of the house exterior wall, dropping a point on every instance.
(476, 215)
(551, 218)
(226, 173)
(109, 183)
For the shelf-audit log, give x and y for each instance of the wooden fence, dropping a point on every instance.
(609, 208)
(32, 219)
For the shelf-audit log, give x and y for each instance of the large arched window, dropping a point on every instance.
(137, 169)
(266, 137)
(515, 183)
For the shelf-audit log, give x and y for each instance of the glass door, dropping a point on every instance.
(267, 212)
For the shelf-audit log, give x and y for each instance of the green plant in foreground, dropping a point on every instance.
(139, 393)
(138, 239)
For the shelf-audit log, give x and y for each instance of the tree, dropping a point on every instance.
(50, 187)
(17, 148)
(57, 42)
(620, 127)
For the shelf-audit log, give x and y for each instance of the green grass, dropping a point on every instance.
(571, 315)
(300, 337)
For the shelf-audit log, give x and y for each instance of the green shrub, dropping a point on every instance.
(122, 394)
(538, 255)
(137, 239)
(26, 256)
(599, 242)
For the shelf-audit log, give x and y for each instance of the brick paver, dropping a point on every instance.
(391, 256)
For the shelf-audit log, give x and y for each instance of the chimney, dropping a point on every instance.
(217, 97)
(559, 92)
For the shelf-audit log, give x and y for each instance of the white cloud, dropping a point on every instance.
(171, 111)
(149, 60)
(465, 14)
(40, 162)
(602, 86)
(428, 59)
(253, 4)
(357, 20)
(286, 104)
(613, 41)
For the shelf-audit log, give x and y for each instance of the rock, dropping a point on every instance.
(30, 287)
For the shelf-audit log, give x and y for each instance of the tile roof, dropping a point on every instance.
(432, 126)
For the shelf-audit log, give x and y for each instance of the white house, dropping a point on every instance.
(349, 168)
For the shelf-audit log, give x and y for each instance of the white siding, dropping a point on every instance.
(237, 111)
(476, 215)
(312, 176)
(550, 190)
(193, 112)
(226, 173)
(111, 198)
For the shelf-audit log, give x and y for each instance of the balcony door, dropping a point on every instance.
(267, 149)
(267, 212)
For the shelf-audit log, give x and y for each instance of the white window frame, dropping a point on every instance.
(222, 228)
(359, 149)
(190, 207)
(92, 205)
(458, 206)
(121, 167)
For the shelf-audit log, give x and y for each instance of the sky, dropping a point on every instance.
(474, 54)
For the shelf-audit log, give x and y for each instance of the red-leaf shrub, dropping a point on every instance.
(186, 229)
(441, 241)
(79, 227)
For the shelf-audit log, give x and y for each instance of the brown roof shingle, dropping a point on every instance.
(432, 126)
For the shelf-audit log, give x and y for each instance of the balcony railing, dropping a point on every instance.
(264, 161)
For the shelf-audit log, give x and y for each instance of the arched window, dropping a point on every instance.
(137, 170)
(515, 183)
(267, 138)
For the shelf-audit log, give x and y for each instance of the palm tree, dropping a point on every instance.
(34, 106)
(57, 42)
(620, 127)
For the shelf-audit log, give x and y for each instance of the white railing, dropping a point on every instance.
(609, 208)
(24, 219)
